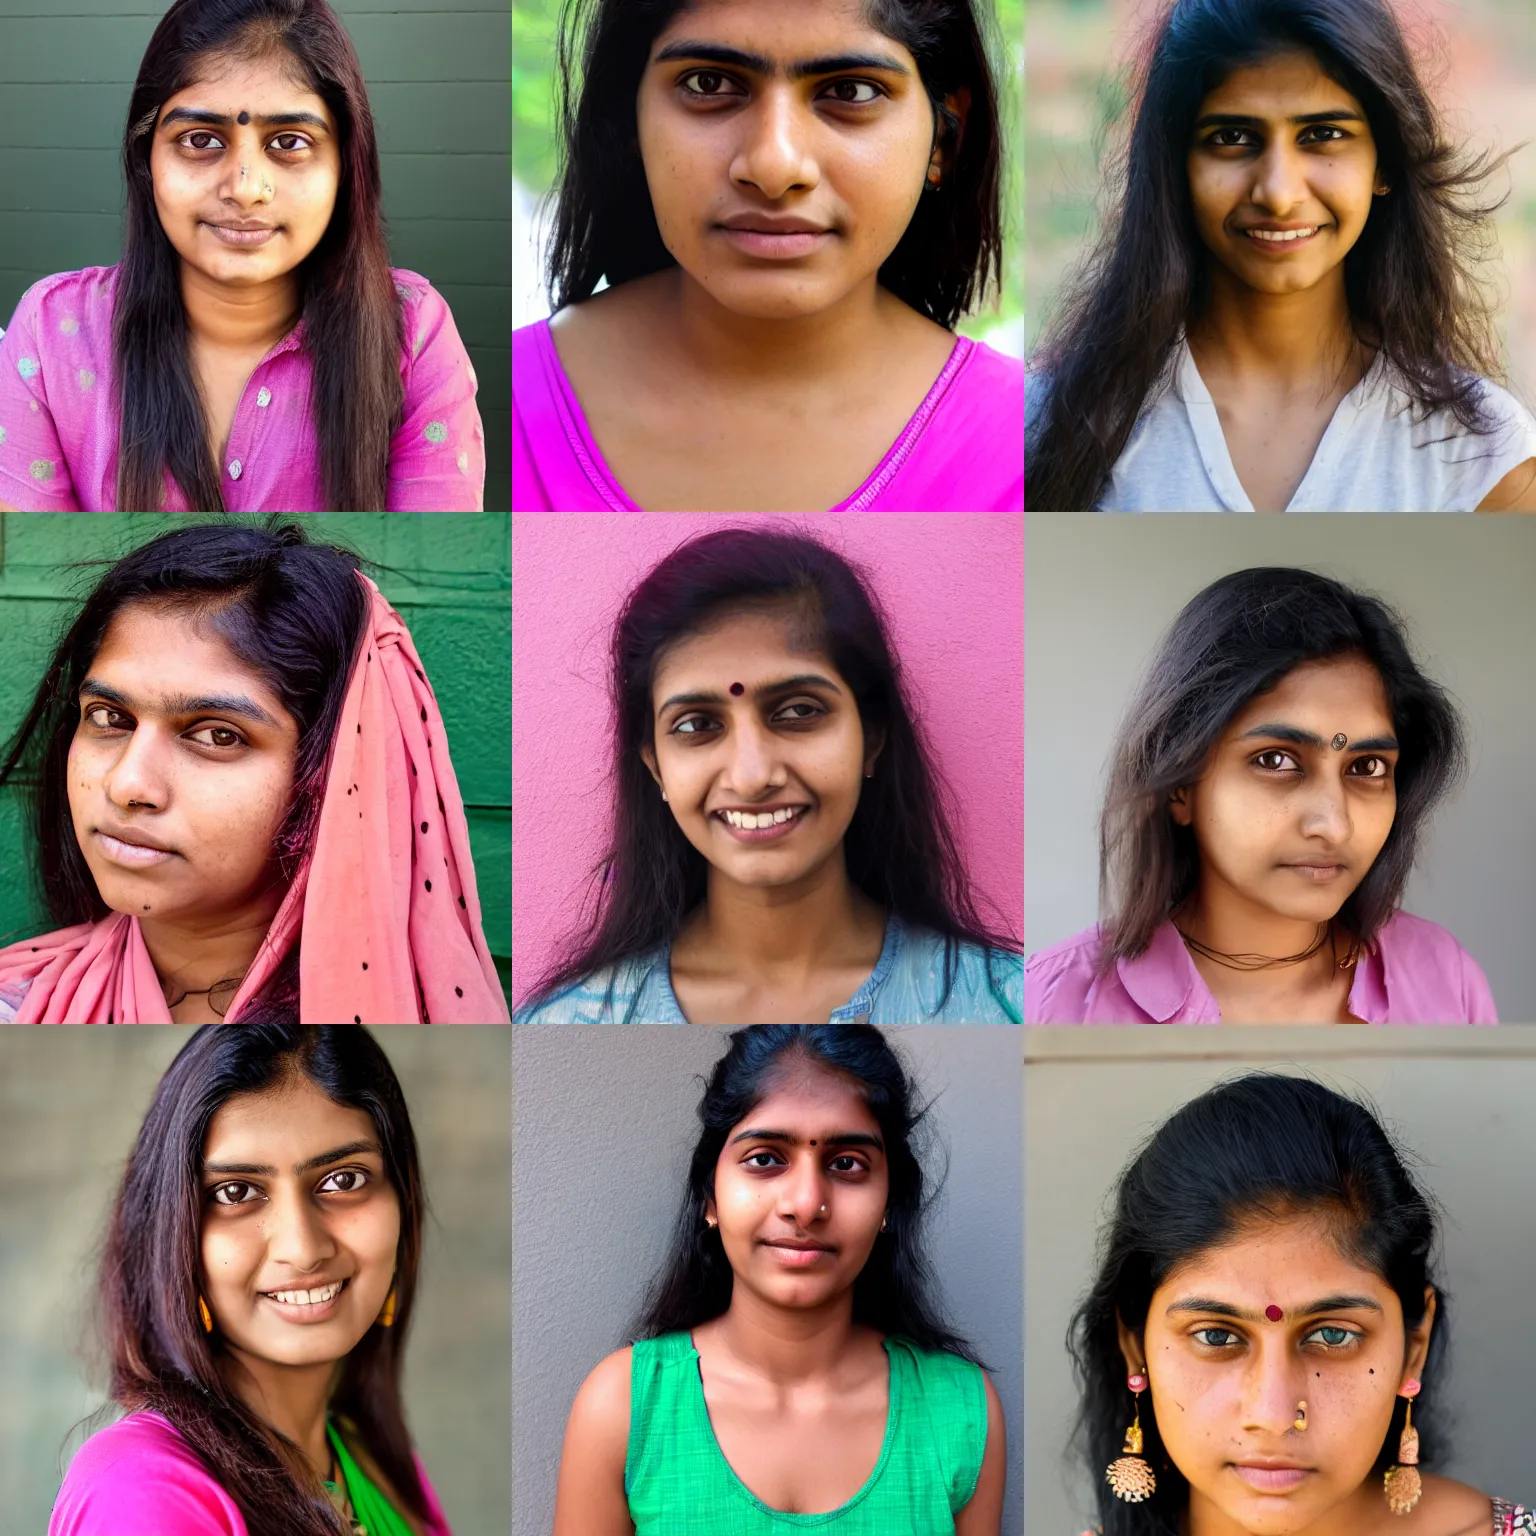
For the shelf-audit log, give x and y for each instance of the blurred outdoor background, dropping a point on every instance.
(1477, 57)
(535, 159)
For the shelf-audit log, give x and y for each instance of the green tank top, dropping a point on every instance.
(679, 1483)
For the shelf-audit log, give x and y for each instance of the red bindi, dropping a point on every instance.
(737, 689)
(1273, 1313)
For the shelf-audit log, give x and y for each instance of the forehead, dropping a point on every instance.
(1345, 693)
(265, 86)
(805, 1097)
(151, 653)
(1282, 85)
(283, 1125)
(785, 30)
(752, 647)
(1286, 1260)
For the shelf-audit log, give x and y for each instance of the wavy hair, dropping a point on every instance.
(163, 1362)
(352, 319)
(1410, 279)
(1233, 641)
(1263, 1147)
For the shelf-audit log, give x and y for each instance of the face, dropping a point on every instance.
(246, 164)
(755, 114)
(295, 1203)
(1226, 1381)
(180, 772)
(1287, 822)
(800, 1190)
(748, 724)
(1279, 201)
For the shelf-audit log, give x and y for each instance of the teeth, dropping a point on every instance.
(307, 1298)
(1282, 236)
(749, 822)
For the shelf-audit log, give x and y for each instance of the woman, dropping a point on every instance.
(790, 1367)
(780, 850)
(244, 799)
(1269, 1282)
(253, 350)
(793, 203)
(1266, 797)
(1283, 313)
(256, 1324)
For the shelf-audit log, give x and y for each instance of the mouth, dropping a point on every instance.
(1283, 240)
(1271, 1478)
(776, 244)
(131, 855)
(233, 234)
(313, 1305)
(764, 826)
(1318, 874)
(798, 1255)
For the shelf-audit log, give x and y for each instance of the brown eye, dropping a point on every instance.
(355, 1179)
(208, 141)
(234, 1193)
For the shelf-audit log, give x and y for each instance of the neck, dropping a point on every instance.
(1290, 340)
(1363, 1510)
(292, 1399)
(191, 957)
(1225, 920)
(253, 318)
(786, 1346)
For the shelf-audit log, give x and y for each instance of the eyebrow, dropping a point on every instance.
(1341, 1303)
(1238, 120)
(351, 1149)
(1300, 738)
(763, 690)
(219, 120)
(178, 704)
(789, 1139)
(760, 64)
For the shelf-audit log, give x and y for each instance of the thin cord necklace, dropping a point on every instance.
(341, 1500)
(220, 995)
(1251, 962)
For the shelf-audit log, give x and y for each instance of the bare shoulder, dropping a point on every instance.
(590, 1498)
(1516, 492)
(601, 1408)
(1449, 1508)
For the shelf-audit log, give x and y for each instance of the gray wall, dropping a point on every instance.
(71, 1102)
(1100, 592)
(1459, 1099)
(440, 86)
(603, 1128)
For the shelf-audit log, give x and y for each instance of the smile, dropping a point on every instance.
(1284, 238)
(311, 1306)
(762, 827)
(131, 855)
(240, 237)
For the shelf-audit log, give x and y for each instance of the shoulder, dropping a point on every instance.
(427, 321)
(1454, 1508)
(600, 1411)
(1505, 408)
(87, 286)
(609, 995)
(986, 985)
(1057, 980)
(939, 1369)
(1446, 982)
(997, 370)
(141, 1478)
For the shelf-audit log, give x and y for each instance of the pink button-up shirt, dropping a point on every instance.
(1415, 973)
(59, 418)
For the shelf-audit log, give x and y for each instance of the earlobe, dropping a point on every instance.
(1178, 807)
(1130, 1348)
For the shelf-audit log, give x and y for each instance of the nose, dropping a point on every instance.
(246, 183)
(774, 155)
(297, 1237)
(1272, 1386)
(754, 766)
(1279, 181)
(136, 776)
(802, 1191)
(1325, 813)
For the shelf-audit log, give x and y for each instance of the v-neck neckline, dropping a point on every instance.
(1205, 422)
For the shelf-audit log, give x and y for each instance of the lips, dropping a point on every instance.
(135, 839)
(1272, 1477)
(234, 234)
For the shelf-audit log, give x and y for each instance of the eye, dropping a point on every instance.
(1332, 1337)
(1230, 138)
(300, 143)
(1318, 128)
(691, 725)
(234, 1193)
(1216, 1338)
(1275, 761)
(839, 86)
(235, 738)
(710, 82)
(190, 140)
(771, 1159)
(1371, 768)
(356, 1177)
(847, 1163)
(94, 710)
(813, 710)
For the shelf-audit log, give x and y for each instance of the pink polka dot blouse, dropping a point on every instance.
(59, 417)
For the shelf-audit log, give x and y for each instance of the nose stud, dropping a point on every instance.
(1301, 1416)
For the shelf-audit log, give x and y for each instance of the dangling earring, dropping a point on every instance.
(1403, 1484)
(207, 1317)
(387, 1316)
(1130, 1477)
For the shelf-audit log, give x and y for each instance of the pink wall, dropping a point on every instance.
(953, 586)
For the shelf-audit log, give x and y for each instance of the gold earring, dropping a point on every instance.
(387, 1316)
(1403, 1484)
(1130, 1477)
(207, 1317)
(1301, 1416)
(710, 1222)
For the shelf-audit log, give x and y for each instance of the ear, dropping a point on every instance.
(648, 757)
(1418, 1339)
(1130, 1347)
(1180, 808)
(874, 745)
(945, 154)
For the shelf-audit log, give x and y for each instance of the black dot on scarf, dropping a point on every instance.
(370, 655)
(349, 791)
(441, 807)
(359, 730)
(423, 826)
(428, 884)
(461, 903)
(423, 714)
(413, 770)
(357, 1018)
(365, 965)
(458, 991)
(34, 947)
(419, 673)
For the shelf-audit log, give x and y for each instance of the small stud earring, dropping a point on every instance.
(709, 1221)
(664, 795)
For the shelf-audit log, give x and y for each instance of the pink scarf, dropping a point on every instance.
(384, 910)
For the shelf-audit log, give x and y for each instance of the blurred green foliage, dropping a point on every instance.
(535, 151)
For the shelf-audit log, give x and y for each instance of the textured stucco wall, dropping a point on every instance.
(1457, 1099)
(450, 579)
(952, 586)
(71, 1102)
(603, 1125)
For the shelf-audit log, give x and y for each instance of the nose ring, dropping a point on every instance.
(823, 1211)
(1301, 1416)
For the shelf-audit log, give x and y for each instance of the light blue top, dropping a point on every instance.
(903, 988)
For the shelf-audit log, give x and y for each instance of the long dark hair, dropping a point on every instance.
(1233, 641)
(604, 224)
(1262, 1146)
(894, 1292)
(292, 611)
(351, 310)
(162, 1360)
(1409, 278)
(900, 849)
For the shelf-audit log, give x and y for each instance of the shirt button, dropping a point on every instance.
(263, 397)
(234, 469)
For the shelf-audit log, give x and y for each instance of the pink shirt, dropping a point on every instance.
(963, 450)
(59, 418)
(140, 1478)
(1415, 973)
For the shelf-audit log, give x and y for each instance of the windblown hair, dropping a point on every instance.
(604, 224)
(1410, 279)
(899, 847)
(163, 1362)
(351, 311)
(292, 611)
(894, 1292)
(1260, 1148)
(1233, 641)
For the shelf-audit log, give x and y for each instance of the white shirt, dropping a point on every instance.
(1374, 457)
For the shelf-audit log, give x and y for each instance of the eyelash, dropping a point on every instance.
(204, 133)
(228, 730)
(677, 728)
(859, 1166)
(360, 1174)
(1376, 778)
(1351, 1338)
(1214, 141)
(694, 74)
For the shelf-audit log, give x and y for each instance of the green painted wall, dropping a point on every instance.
(439, 82)
(449, 575)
